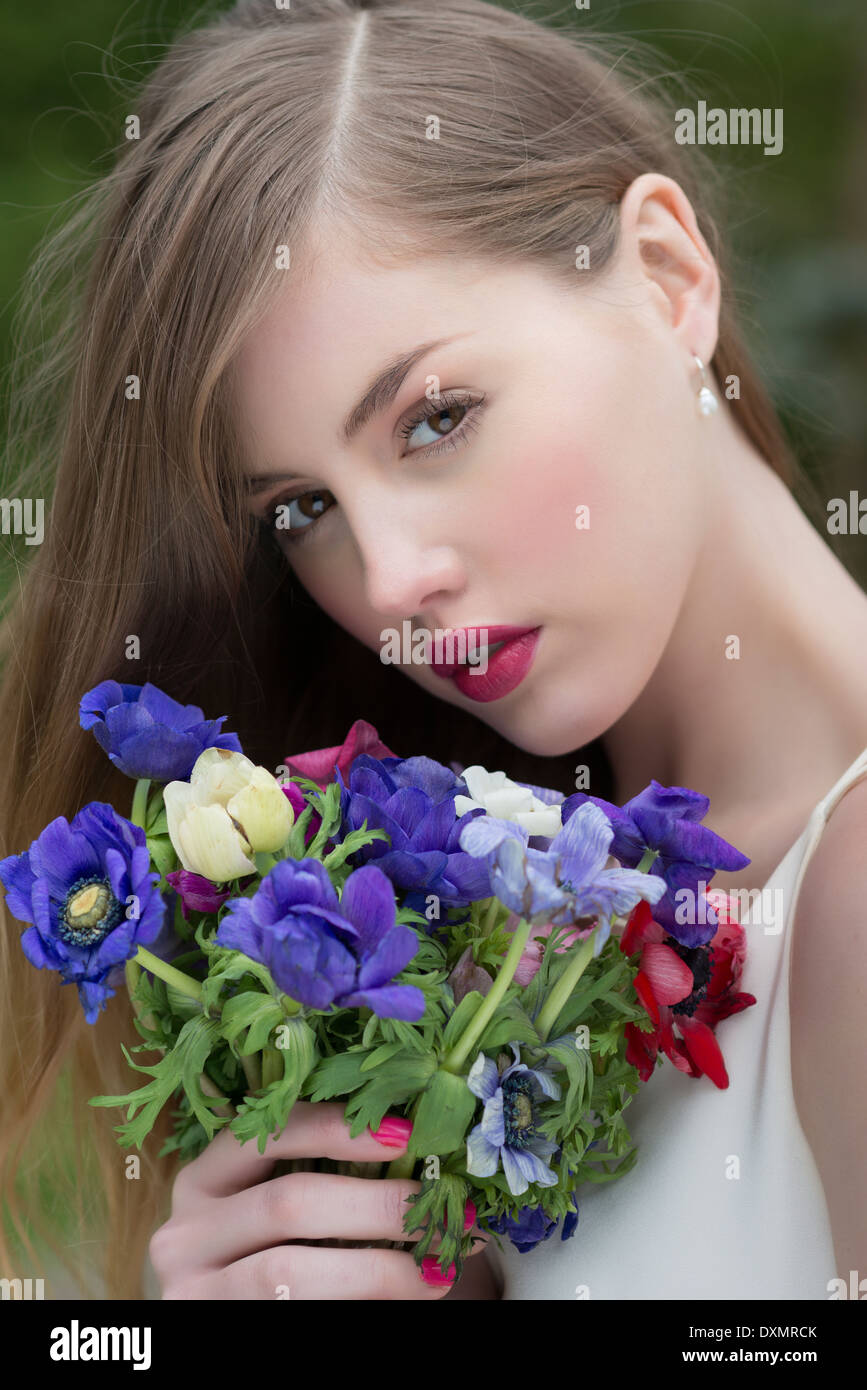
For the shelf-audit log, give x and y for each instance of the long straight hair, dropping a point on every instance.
(254, 127)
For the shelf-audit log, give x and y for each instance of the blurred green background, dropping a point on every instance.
(797, 221)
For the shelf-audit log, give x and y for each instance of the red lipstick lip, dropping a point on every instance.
(505, 668)
(469, 639)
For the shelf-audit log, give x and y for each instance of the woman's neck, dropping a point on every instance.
(777, 723)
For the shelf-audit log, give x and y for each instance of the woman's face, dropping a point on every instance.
(555, 407)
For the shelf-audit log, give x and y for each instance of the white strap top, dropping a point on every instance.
(725, 1200)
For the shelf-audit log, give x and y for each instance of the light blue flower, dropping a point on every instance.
(565, 881)
(507, 1132)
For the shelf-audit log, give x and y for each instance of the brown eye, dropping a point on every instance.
(293, 515)
(439, 422)
(445, 420)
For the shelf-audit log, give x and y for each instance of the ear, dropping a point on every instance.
(660, 241)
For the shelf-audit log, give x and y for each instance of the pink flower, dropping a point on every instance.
(197, 894)
(319, 765)
(531, 957)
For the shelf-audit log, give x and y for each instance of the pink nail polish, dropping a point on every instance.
(469, 1215)
(394, 1132)
(432, 1274)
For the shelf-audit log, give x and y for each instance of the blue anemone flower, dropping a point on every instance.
(413, 800)
(76, 884)
(322, 950)
(565, 881)
(507, 1132)
(532, 1225)
(666, 819)
(148, 734)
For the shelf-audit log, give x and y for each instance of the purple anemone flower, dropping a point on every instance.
(666, 819)
(567, 880)
(507, 1132)
(532, 1225)
(197, 894)
(148, 734)
(322, 950)
(76, 884)
(413, 800)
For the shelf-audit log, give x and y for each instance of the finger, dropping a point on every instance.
(303, 1206)
(307, 1272)
(312, 1131)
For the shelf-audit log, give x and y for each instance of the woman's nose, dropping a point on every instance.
(408, 576)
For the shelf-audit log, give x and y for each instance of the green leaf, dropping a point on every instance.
(182, 1006)
(257, 1012)
(355, 840)
(393, 1083)
(338, 1075)
(461, 1017)
(182, 1067)
(226, 966)
(160, 823)
(294, 847)
(579, 1069)
(162, 853)
(327, 803)
(381, 1054)
(443, 1117)
(266, 1114)
(156, 822)
(509, 1024)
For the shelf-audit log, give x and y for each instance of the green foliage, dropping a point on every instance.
(266, 1113)
(443, 1115)
(181, 1067)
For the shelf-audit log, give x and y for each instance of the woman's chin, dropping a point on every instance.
(541, 732)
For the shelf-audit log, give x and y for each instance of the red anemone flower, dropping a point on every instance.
(686, 991)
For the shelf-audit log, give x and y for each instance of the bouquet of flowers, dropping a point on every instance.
(500, 964)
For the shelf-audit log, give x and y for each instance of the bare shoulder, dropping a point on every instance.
(828, 1004)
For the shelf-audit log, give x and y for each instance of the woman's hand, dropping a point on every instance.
(230, 1219)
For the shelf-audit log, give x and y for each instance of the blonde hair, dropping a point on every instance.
(255, 127)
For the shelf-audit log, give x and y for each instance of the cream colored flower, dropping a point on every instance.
(499, 796)
(225, 813)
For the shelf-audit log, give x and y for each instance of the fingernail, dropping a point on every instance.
(432, 1274)
(469, 1215)
(394, 1132)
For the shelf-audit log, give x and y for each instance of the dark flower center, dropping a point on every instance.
(517, 1111)
(89, 913)
(700, 961)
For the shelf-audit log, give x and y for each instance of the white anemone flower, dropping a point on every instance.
(225, 813)
(499, 796)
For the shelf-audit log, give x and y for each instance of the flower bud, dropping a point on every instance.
(262, 811)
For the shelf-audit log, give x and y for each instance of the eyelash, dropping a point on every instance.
(437, 405)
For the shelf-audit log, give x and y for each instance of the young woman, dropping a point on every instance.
(407, 312)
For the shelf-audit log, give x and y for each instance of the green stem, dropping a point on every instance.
(138, 814)
(184, 984)
(132, 971)
(646, 860)
(565, 986)
(272, 1066)
(455, 1058)
(402, 1167)
(252, 1072)
(487, 923)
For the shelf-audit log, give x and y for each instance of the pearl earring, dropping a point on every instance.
(707, 401)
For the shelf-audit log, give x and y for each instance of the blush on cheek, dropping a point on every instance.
(566, 510)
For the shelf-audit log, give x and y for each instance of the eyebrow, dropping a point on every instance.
(385, 386)
(378, 397)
